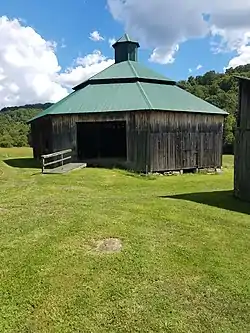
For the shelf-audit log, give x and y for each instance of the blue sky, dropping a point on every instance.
(155, 23)
(72, 22)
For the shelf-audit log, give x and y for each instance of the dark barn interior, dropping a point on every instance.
(105, 139)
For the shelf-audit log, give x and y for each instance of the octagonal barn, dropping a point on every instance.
(130, 115)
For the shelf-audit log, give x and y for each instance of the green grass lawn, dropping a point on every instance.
(184, 266)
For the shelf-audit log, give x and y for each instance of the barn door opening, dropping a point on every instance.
(97, 140)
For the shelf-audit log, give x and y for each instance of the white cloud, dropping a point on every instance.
(163, 24)
(29, 67)
(243, 57)
(197, 68)
(86, 67)
(112, 41)
(162, 55)
(63, 44)
(95, 36)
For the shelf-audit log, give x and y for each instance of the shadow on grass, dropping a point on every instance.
(220, 199)
(27, 163)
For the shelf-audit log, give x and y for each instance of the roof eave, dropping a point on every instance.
(37, 117)
(81, 85)
(242, 78)
(124, 42)
(218, 113)
(123, 80)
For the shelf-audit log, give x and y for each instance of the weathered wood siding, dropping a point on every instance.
(139, 136)
(156, 141)
(179, 140)
(41, 136)
(64, 128)
(242, 144)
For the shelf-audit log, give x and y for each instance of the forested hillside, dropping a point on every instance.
(14, 130)
(220, 89)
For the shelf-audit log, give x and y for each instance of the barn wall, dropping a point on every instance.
(41, 136)
(179, 140)
(64, 130)
(242, 144)
(138, 131)
(156, 141)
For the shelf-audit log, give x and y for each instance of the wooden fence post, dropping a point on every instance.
(42, 164)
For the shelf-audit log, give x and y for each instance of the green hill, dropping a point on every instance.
(220, 89)
(14, 130)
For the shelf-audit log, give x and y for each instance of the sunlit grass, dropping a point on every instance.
(184, 266)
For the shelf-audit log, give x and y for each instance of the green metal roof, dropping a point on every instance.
(125, 70)
(173, 98)
(129, 69)
(124, 39)
(129, 86)
(112, 97)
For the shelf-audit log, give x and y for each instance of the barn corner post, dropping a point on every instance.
(237, 142)
(221, 131)
(242, 143)
(148, 143)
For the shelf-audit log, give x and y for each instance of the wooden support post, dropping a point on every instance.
(42, 164)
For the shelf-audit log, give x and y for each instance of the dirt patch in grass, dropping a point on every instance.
(108, 245)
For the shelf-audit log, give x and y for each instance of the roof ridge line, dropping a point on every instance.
(133, 69)
(140, 86)
(150, 105)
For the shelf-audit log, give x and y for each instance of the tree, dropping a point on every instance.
(221, 90)
(229, 128)
(14, 130)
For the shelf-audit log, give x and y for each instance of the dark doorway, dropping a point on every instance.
(101, 140)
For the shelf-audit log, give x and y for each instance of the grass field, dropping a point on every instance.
(184, 265)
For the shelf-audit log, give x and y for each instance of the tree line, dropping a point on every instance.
(220, 89)
(14, 130)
